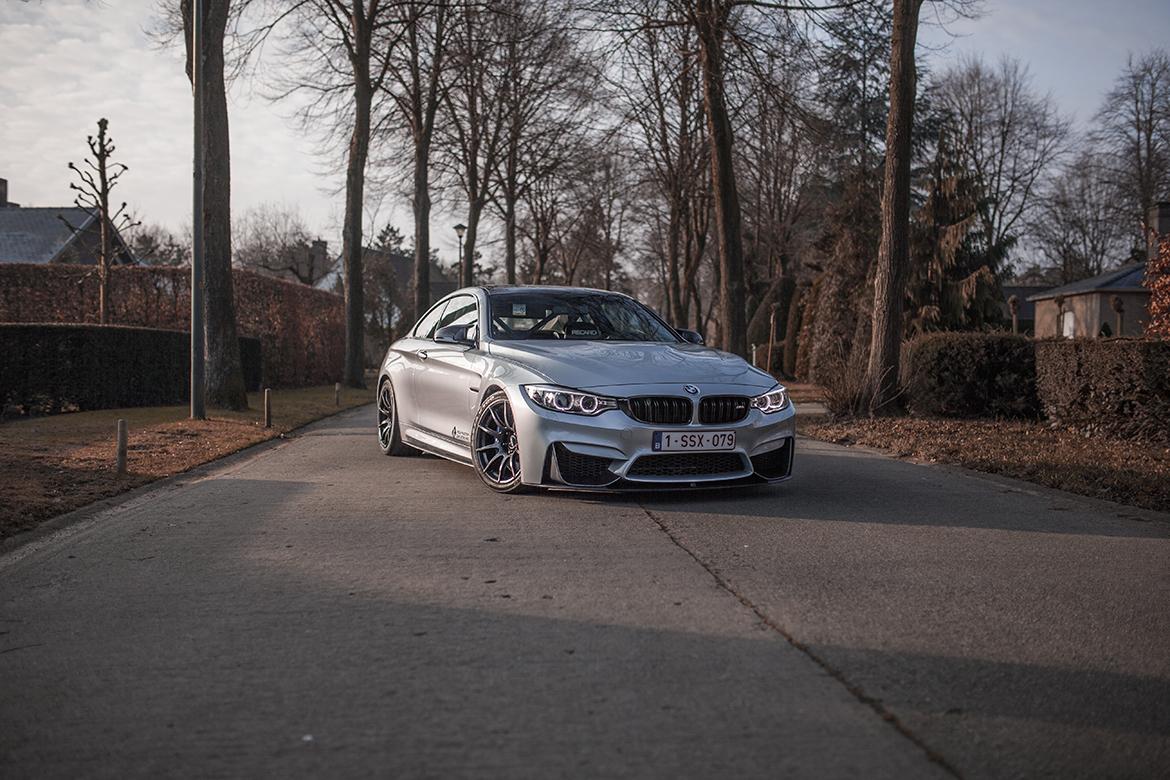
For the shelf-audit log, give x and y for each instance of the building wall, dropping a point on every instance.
(1090, 311)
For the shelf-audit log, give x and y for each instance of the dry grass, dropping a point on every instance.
(1125, 471)
(51, 465)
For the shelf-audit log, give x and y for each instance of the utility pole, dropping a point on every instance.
(198, 411)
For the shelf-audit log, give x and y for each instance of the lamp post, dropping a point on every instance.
(198, 412)
(464, 263)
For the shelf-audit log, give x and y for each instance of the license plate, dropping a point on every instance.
(673, 441)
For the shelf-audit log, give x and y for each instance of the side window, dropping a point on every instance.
(460, 311)
(426, 326)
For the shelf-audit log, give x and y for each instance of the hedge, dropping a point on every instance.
(302, 329)
(970, 375)
(1119, 386)
(53, 368)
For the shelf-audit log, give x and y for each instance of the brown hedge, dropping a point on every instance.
(1119, 387)
(970, 375)
(50, 367)
(302, 329)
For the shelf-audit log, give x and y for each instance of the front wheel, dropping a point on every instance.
(496, 447)
(389, 434)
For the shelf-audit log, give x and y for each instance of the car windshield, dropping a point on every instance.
(574, 316)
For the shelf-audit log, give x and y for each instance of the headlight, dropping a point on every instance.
(562, 399)
(772, 401)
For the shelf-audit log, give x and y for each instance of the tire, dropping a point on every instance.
(495, 450)
(389, 434)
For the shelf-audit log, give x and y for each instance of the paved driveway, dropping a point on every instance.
(317, 609)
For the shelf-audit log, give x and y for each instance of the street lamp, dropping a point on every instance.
(464, 266)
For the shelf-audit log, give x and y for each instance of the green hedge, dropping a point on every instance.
(970, 375)
(1119, 387)
(50, 368)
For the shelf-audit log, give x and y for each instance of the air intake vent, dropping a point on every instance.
(722, 409)
(686, 464)
(659, 410)
(578, 469)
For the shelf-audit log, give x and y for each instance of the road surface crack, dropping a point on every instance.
(854, 689)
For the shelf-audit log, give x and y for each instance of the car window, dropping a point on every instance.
(573, 315)
(461, 310)
(425, 328)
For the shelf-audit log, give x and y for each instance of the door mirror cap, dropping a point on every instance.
(690, 336)
(455, 334)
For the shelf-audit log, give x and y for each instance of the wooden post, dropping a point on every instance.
(120, 459)
(1014, 308)
(337, 394)
(771, 337)
(267, 408)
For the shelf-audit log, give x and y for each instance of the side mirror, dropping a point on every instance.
(690, 336)
(455, 334)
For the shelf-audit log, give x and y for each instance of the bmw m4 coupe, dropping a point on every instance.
(565, 387)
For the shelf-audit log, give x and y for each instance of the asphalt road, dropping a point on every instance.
(316, 609)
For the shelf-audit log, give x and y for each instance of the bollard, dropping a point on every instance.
(337, 394)
(267, 408)
(120, 458)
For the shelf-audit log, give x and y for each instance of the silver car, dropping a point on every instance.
(564, 387)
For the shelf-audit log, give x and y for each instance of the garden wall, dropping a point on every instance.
(302, 329)
(50, 367)
(1120, 387)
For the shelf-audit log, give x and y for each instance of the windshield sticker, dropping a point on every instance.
(519, 310)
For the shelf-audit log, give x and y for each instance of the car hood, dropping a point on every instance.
(605, 366)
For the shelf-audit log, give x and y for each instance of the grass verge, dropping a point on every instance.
(52, 465)
(1126, 471)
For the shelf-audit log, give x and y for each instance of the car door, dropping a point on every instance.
(414, 350)
(449, 374)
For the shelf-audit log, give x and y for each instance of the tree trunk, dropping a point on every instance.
(510, 237)
(893, 251)
(422, 230)
(711, 16)
(351, 236)
(674, 288)
(223, 373)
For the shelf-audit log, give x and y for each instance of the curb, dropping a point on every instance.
(74, 519)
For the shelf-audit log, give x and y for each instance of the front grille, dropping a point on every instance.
(659, 410)
(686, 464)
(578, 469)
(774, 464)
(722, 409)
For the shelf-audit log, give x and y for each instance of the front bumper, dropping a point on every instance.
(613, 451)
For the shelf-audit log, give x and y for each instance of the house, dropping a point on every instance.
(1115, 303)
(1087, 309)
(1022, 288)
(53, 234)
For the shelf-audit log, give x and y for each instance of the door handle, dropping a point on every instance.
(422, 353)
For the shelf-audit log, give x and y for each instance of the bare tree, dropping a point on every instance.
(1133, 128)
(893, 251)
(546, 86)
(224, 374)
(1076, 227)
(98, 177)
(273, 239)
(340, 52)
(415, 86)
(1008, 137)
(473, 126)
(156, 245)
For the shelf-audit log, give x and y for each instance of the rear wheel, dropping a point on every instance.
(496, 447)
(389, 435)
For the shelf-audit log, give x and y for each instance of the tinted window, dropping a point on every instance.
(574, 315)
(426, 326)
(460, 311)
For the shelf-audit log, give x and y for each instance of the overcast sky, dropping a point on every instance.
(64, 63)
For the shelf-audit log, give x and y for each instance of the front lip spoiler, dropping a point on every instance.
(631, 486)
